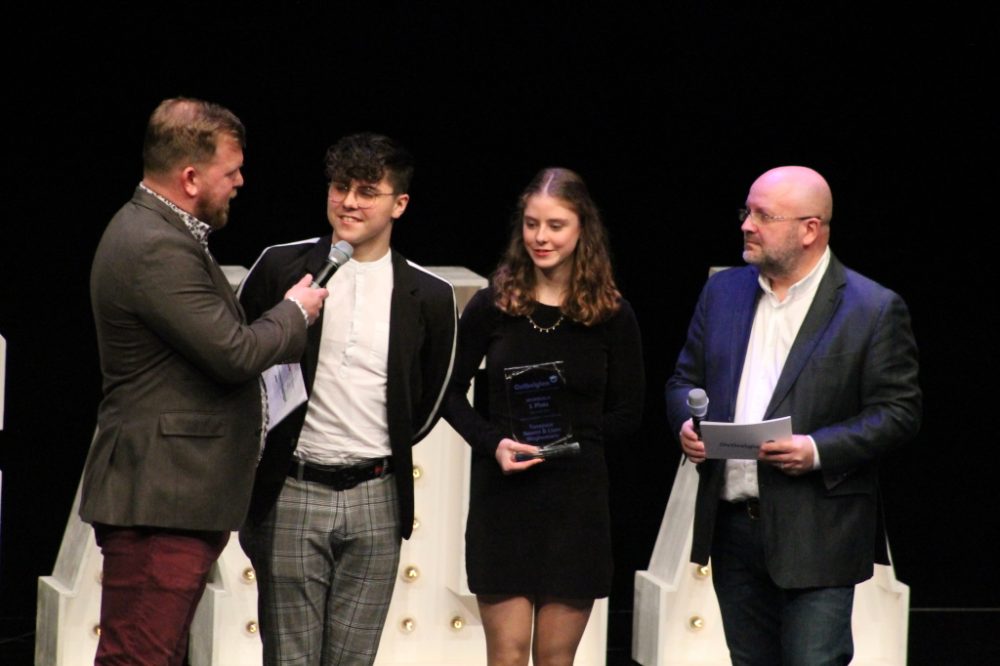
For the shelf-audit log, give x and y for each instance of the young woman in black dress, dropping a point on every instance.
(538, 546)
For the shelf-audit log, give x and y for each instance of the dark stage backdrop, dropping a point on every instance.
(668, 113)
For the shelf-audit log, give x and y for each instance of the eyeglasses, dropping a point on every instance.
(365, 196)
(764, 218)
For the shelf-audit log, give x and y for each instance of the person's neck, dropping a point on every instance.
(174, 195)
(781, 283)
(550, 289)
(367, 253)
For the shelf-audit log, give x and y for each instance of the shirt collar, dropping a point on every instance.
(375, 265)
(198, 229)
(805, 285)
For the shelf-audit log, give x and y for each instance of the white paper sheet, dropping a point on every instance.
(286, 390)
(742, 441)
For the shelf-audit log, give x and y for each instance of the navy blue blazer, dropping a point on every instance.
(850, 381)
(423, 319)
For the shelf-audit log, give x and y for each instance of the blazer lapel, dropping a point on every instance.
(314, 260)
(404, 311)
(404, 314)
(744, 307)
(828, 296)
(145, 199)
(226, 289)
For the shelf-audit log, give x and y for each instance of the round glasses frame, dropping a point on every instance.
(364, 196)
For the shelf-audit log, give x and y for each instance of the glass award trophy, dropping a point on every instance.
(536, 397)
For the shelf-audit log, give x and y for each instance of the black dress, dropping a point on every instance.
(545, 530)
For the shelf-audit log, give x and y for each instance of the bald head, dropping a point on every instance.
(787, 228)
(800, 189)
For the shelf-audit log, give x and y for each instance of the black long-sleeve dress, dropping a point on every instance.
(545, 530)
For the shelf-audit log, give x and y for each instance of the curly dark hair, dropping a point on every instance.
(186, 130)
(369, 157)
(592, 296)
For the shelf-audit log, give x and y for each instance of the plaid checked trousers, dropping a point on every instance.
(326, 563)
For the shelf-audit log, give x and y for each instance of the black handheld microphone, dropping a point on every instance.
(698, 406)
(339, 255)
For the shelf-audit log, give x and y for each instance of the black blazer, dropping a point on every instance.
(422, 329)
(850, 381)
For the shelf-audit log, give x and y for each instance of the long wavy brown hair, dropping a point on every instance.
(592, 296)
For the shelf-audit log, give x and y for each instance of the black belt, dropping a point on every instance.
(340, 477)
(751, 505)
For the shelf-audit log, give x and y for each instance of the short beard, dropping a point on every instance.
(771, 266)
(215, 217)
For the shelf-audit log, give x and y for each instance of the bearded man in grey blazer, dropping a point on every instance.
(180, 425)
(794, 333)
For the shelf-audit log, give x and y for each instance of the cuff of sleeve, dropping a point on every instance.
(816, 462)
(305, 315)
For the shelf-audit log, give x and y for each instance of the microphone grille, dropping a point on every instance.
(341, 252)
(698, 402)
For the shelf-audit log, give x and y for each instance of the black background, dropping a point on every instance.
(669, 113)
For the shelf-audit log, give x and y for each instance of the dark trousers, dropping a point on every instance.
(152, 582)
(766, 625)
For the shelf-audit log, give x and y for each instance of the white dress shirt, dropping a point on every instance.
(346, 420)
(775, 325)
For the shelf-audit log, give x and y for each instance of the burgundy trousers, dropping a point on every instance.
(152, 582)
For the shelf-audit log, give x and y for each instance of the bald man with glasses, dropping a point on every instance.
(797, 334)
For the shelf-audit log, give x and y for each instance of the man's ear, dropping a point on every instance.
(811, 231)
(189, 181)
(399, 206)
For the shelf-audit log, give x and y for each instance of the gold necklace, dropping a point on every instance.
(545, 329)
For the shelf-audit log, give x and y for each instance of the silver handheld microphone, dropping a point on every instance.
(698, 406)
(339, 255)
